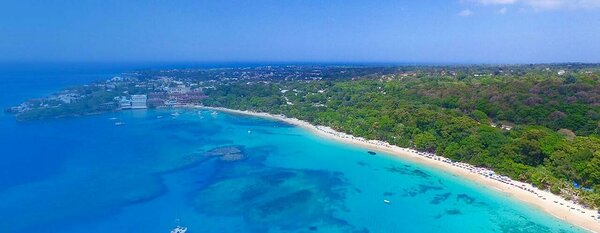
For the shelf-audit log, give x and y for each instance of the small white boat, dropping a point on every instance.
(386, 201)
(119, 123)
(112, 118)
(179, 229)
(159, 117)
(175, 114)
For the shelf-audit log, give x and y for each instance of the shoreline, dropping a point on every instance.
(552, 204)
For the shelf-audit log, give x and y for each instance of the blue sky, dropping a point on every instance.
(428, 31)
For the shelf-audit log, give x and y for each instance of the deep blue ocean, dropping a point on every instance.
(218, 173)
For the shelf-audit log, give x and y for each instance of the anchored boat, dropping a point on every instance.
(179, 229)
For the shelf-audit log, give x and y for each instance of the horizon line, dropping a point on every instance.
(383, 63)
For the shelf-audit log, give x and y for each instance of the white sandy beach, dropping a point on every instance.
(544, 200)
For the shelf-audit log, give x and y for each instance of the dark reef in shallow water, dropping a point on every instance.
(409, 172)
(271, 197)
(421, 189)
(453, 212)
(440, 198)
(465, 198)
(526, 226)
(388, 194)
(227, 153)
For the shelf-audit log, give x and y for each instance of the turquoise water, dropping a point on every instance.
(228, 173)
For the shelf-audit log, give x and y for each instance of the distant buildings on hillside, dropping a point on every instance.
(65, 98)
(180, 96)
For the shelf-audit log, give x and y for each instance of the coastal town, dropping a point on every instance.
(115, 94)
(168, 88)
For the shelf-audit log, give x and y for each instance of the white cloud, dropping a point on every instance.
(465, 13)
(547, 4)
(502, 10)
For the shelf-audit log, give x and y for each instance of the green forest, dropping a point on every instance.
(530, 124)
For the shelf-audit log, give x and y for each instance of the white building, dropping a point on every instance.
(138, 101)
(67, 98)
(125, 103)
